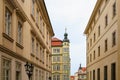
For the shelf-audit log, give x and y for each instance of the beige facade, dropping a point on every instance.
(25, 36)
(103, 41)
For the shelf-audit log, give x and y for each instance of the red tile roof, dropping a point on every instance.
(56, 42)
(72, 77)
(83, 69)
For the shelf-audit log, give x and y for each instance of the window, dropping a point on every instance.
(98, 74)
(19, 33)
(42, 28)
(98, 51)
(18, 71)
(41, 21)
(65, 77)
(65, 49)
(42, 75)
(39, 74)
(106, 20)
(94, 37)
(114, 9)
(113, 38)
(56, 58)
(90, 42)
(90, 57)
(6, 69)
(65, 67)
(105, 73)
(33, 7)
(94, 55)
(99, 31)
(113, 71)
(36, 74)
(99, 11)
(106, 45)
(33, 45)
(93, 74)
(47, 78)
(8, 21)
(90, 75)
(42, 54)
(37, 16)
(56, 77)
(56, 67)
(56, 50)
(88, 46)
(36, 49)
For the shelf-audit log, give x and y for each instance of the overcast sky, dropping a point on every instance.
(73, 15)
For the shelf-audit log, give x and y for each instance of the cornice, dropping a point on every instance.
(46, 16)
(98, 3)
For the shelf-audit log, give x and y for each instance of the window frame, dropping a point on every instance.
(4, 67)
(8, 30)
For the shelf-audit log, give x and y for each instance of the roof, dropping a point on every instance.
(83, 69)
(56, 42)
(72, 77)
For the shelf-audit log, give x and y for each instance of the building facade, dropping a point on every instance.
(60, 59)
(25, 36)
(82, 75)
(103, 41)
(76, 75)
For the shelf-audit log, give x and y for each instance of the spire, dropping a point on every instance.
(65, 36)
(80, 67)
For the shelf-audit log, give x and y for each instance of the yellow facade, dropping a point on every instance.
(103, 41)
(60, 60)
(25, 36)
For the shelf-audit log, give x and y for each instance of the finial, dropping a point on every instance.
(65, 29)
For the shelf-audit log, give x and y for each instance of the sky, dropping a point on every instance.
(73, 15)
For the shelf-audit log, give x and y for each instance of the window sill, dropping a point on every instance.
(32, 55)
(32, 16)
(37, 25)
(19, 45)
(8, 37)
(37, 58)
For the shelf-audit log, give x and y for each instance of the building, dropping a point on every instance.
(103, 41)
(82, 75)
(60, 58)
(72, 77)
(25, 37)
(76, 75)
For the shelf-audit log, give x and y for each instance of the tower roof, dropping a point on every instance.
(65, 36)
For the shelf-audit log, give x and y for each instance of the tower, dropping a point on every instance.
(66, 57)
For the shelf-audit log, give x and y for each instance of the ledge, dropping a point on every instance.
(19, 45)
(8, 37)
